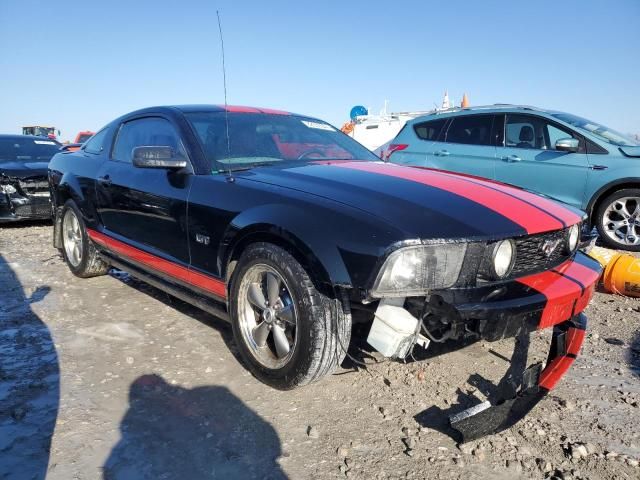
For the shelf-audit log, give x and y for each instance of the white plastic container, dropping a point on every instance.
(393, 329)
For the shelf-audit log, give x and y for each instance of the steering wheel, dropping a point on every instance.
(309, 152)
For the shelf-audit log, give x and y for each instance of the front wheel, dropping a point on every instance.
(287, 332)
(77, 249)
(618, 219)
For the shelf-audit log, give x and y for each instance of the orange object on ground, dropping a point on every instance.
(622, 275)
(603, 255)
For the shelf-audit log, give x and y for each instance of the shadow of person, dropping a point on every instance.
(29, 381)
(170, 432)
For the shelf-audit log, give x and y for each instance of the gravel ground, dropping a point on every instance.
(110, 378)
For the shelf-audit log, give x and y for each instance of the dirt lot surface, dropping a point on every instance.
(109, 378)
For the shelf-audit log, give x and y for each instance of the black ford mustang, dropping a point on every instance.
(283, 225)
(24, 190)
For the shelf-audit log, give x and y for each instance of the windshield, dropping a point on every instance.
(260, 139)
(603, 133)
(84, 137)
(27, 149)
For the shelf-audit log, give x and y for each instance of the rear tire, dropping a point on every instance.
(612, 213)
(77, 249)
(317, 328)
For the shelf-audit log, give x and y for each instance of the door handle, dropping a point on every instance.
(442, 153)
(105, 180)
(598, 167)
(512, 159)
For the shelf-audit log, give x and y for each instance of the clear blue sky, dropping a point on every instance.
(79, 64)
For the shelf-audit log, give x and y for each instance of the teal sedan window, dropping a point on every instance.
(607, 134)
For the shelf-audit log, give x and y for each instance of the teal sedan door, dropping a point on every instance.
(467, 147)
(529, 159)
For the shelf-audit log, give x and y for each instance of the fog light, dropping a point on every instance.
(573, 235)
(503, 257)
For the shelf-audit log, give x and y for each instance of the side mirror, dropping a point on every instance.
(157, 157)
(568, 145)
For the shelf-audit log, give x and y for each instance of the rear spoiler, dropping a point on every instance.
(630, 151)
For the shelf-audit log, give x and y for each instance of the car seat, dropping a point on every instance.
(526, 137)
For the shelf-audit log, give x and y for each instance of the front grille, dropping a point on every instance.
(35, 187)
(33, 210)
(530, 256)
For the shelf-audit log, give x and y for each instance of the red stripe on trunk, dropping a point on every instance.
(527, 216)
(172, 269)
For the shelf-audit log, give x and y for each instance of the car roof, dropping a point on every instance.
(208, 108)
(495, 108)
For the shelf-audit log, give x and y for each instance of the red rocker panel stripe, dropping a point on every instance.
(179, 272)
(532, 219)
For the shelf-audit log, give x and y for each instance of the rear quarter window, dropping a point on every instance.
(430, 131)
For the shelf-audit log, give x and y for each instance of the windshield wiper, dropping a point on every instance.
(245, 167)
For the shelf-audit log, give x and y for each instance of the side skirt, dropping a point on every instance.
(217, 309)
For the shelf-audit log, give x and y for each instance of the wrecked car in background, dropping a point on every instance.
(24, 190)
(283, 225)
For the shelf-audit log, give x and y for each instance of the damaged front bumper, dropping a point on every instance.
(554, 299)
(24, 199)
(517, 398)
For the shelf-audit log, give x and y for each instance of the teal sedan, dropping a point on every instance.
(572, 159)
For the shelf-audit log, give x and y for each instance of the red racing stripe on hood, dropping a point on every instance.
(530, 217)
(554, 208)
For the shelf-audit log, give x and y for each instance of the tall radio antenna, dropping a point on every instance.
(224, 83)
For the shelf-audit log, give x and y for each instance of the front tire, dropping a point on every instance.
(288, 333)
(77, 248)
(618, 220)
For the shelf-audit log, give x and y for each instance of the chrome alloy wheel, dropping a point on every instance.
(72, 237)
(267, 316)
(621, 221)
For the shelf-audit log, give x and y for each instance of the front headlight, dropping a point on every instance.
(573, 236)
(414, 270)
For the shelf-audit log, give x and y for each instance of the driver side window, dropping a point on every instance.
(145, 132)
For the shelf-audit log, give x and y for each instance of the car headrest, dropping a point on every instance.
(526, 134)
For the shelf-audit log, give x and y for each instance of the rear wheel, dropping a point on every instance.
(288, 333)
(77, 249)
(618, 219)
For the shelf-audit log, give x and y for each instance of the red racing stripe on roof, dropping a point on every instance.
(271, 111)
(529, 217)
(154, 262)
(240, 109)
(244, 109)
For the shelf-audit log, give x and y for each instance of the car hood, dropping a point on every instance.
(424, 203)
(23, 169)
